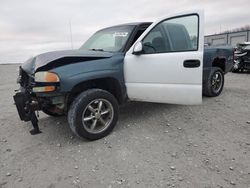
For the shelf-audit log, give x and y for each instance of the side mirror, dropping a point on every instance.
(137, 48)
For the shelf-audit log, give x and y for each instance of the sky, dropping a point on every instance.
(31, 27)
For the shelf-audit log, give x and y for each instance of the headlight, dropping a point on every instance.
(46, 77)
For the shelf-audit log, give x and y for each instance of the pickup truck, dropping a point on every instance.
(162, 62)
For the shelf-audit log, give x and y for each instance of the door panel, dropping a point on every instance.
(154, 78)
(159, 74)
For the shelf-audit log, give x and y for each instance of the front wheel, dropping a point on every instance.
(215, 82)
(93, 114)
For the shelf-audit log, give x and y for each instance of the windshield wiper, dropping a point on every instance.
(96, 49)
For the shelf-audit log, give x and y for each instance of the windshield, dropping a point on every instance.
(111, 39)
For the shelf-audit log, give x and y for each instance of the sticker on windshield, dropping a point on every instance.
(120, 34)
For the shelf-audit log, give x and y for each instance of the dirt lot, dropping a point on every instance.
(153, 145)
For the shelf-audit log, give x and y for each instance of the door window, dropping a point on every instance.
(173, 35)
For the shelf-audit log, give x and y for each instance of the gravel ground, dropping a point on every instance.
(153, 145)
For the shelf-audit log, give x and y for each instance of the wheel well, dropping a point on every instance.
(219, 62)
(109, 84)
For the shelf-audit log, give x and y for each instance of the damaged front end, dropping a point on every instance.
(24, 102)
(37, 92)
(41, 88)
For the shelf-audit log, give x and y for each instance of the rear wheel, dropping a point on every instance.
(215, 83)
(93, 114)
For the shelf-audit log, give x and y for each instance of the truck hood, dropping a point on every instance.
(49, 60)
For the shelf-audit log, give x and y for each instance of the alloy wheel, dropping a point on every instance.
(97, 116)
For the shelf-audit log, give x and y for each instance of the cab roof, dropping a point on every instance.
(131, 24)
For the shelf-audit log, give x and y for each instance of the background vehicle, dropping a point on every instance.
(242, 57)
(162, 62)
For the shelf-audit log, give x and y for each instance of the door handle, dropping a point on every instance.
(191, 63)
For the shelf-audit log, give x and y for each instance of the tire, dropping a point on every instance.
(210, 89)
(48, 112)
(91, 120)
